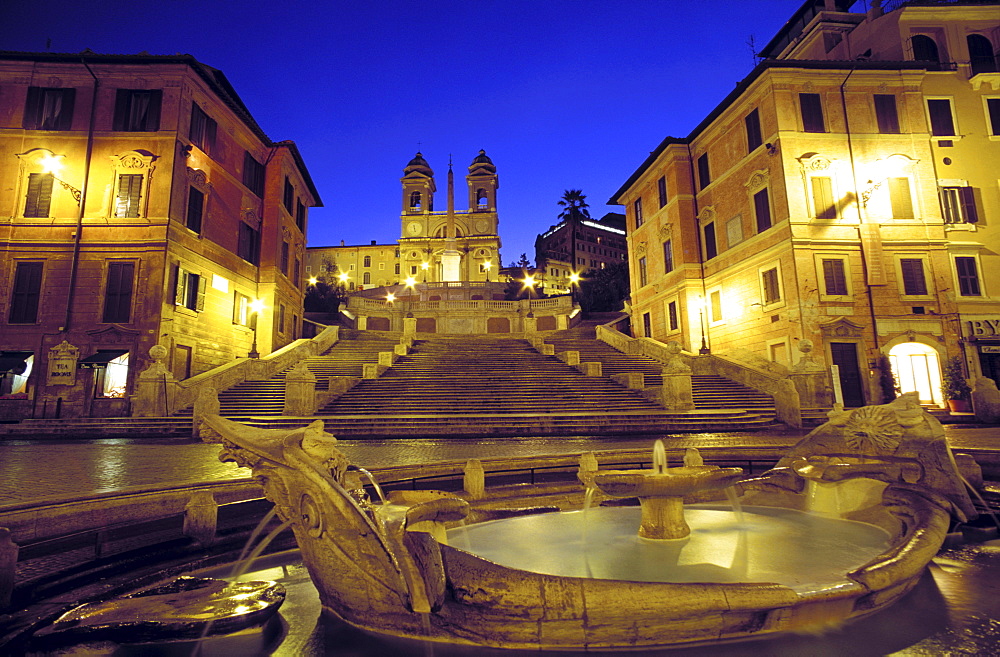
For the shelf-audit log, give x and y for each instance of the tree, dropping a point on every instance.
(606, 290)
(324, 298)
(523, 262)
(574, 203)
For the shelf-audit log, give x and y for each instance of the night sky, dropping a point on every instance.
(562, 95)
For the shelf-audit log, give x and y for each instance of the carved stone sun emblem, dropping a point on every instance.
(873, 430)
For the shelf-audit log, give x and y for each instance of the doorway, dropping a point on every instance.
(845, 356)
(917, 368)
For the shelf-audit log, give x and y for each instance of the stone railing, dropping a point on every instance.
(159, 394)
(357, 304)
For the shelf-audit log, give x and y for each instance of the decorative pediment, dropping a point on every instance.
(198, 178)
(251, 218)
(665, 232)
(135, 160)
(757, 180)
(640, 249)
(707, 214)
(814, 162)
(113, 334)
(841, 328)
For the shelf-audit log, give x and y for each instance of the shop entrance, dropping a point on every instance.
(917, 368)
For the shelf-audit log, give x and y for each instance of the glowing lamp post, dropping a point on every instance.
(256, 306)
(410, 283)
(53, 164)
(529, 285)
(312, 280)
(574, 282)
(487, 265)
(425, 266)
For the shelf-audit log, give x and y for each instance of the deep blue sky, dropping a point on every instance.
(561, 94)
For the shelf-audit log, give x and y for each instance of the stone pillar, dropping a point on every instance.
(155, 387)
(206, 403)
(474, 479)
(985, 400)
(562, 322)
(810, 380)
(590, 369)
(386, 358)
(361, 322)
(530, 324)
(257, 370)
(400, 349)
(201, 515)
(675, 394)
(569, 357)
(409, 326)
(300, 391)
(8, 567)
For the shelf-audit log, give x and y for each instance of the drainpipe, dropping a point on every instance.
(78, 236)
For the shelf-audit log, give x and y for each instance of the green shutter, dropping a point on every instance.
(202, 287)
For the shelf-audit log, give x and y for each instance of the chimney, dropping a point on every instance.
(342, 242)
(373, 242)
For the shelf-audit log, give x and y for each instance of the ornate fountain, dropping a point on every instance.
(407, 566)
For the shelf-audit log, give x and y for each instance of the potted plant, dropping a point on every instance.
(954, 386)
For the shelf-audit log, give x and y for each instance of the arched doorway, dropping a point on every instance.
(917, 368)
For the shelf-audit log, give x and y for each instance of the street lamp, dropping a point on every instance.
(410, 283)
(529, 284)
(487, 265)
(52, 164)
(256, 306)
(312, 280)
(425, 266)
(574, 282)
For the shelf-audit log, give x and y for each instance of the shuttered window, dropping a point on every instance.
(942, 122)
(289, 196)
(248, 245)
(914, 283)
(203, 129)
(39, 198)
(822, 191)
(190, 289)
(129, 190)
(118, 293)
(762, 210)
(668, 257)
(711, 248)
(834, 278)
(752, 123)
(253, 174)
(772, 290)
(811, 106)
(672, 315)
(899, 198)
(195, 209)
(704, 174)
(958, 205)
(968, 276)
(886, 115)
(26, 290)
(661, 190)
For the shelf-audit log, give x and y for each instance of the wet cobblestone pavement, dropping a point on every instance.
(37, 469)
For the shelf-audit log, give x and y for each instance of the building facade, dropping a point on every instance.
(140, 204)
(577, 245)
(423, 235)
(843, 194)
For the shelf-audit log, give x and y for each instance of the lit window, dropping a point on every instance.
(112, 378)
(241, 309)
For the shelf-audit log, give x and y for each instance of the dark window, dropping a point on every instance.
(981, 55)
(772, 291)
(647, 325)
(958, 205)
(822, 190)
(642, 271)
(298, 272)
(711, 249)
(968, 276)
(834, 278)
(289, 196)
(899, 197)
(672, 315)
(661, 189)
(754, 139)
(812, 113)
(886, 114)
(39, 198)
(762, 210)
(993, 105)
(189, 289)
(203, 129)
(26, 290)
(48, 109)
(913, 276)
(415, 200)
(253, 174)
(195, 209)
(397, 269)
(704, 175)
(284, 258)
(637, 206)
(668, 257)
(281, 318)
(137, 110)
(942, 123)
(300, 215)
(118, 293)
(924, 49)
(367, 261)
(129, 191)
(248, 246)
(366, 278)
(715, 303)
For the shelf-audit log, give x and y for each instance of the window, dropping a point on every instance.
(762, 210)
(822, 193)
(993, 109)
(253, 174)
(942, 123)
(129, 192)
(754, 139)
(704, 175)
(118, 293)
(647, 325)
(981, 56)
(637, 207)
(968, 276)
(203, 129)
(112, 378)
(834, 277)
(281, 318)
(137, 110)
(770, 286)
(715, 305)
(289, 196)
(414, 200)
(912, 270)
(48, 109)
(924, 48)
(367, 278)
(248, 246)
(899, 198)
(26, 291)
(241, 309)
(396, 269)
(958, 205)
(668, 257)
(298, 273)
(734, 231)
(811, 106)
(196, 206)
(381, 266)
(189, 290)
(661, 190)
(886, 114)
(284, 258)
(300, 215)
(39, 198)
(368, 261)
(711, 249)
(642, 271)
(672, 316)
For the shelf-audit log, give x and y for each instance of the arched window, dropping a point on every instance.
(415, 201)
(981, 55)
(481, 199)
(924, 48)
(368, 261)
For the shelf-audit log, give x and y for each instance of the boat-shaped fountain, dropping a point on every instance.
(880, 482)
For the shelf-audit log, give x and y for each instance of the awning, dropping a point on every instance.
(14, 361)
(100, 359)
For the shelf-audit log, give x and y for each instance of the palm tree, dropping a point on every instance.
(575, 203)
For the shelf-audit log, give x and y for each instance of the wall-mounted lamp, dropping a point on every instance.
(52, 164)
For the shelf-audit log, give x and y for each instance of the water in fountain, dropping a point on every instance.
(660, 458)
(371, 479)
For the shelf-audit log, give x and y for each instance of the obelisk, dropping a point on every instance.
(451, 259)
